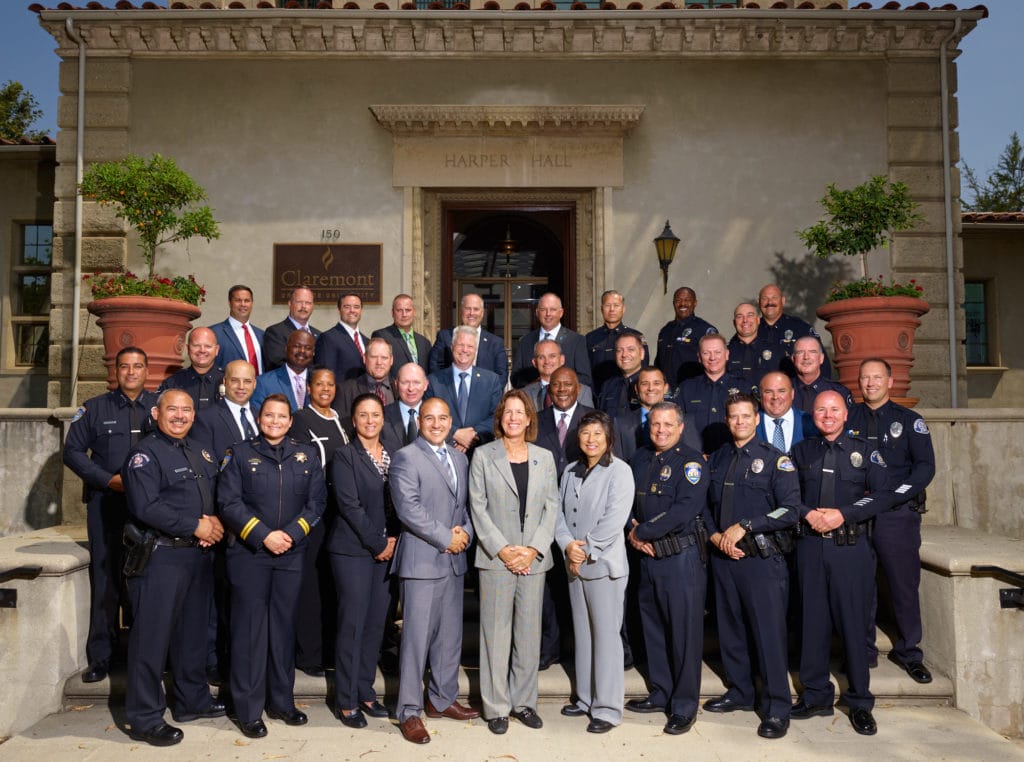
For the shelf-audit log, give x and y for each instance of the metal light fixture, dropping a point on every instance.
(666, 244)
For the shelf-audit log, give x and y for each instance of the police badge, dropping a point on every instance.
(788, 335)
(301, 457)
(207, 457)
(686, 335)
(856, 459)
(666, 473)
(895, 428)
(766, 355)
(757, 466)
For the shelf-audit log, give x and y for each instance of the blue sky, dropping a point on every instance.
(991, 96)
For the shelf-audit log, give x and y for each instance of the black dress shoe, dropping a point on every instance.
(644, 706)
(863, 722)
(355, 720)
(573, 710)
(374, 709)
(772, 727)
(528, 717)
(599, 726)
(254, 729)
(724, 704)
(161, 735)
(215, 709)
(498, 726)
(97, 672)
(314, 671)
(801, 711)
(917, 671)
(678, 724)
(292, 717)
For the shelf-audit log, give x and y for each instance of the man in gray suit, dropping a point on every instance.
(429, 482)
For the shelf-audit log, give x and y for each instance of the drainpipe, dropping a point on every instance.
(948, 209)
(79, 151)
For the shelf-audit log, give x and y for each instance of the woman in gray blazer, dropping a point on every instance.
(597, 496)
(513, 502)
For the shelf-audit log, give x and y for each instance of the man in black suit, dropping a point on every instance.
(402, 414)
(406, 344)
(549, 312)
(490, 354)
(300, 308)
(342, 348)
(375, 380)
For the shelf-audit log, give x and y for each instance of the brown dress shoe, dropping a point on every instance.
(455, 711)
(413, 731)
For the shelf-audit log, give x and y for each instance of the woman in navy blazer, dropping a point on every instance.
(361, 544)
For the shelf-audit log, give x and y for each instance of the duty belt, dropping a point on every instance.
(177, 542)
(846, 534)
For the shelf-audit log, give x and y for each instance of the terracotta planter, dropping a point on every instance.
(154, 324)
(875, 326)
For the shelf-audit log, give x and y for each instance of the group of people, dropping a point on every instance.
(284, 499)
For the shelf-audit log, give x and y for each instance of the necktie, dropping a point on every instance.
(872, 432)
(410, 344)
(359, 345)
(247, 430)
(250, 348)
(205, 395)
(563, 427)
(728, 487)
(547, 336)
(411, 429)
(545, 397)
(300, 391)
(778, 438)
(134, 423)
(202, 482)
(463, 397)
(827, 495)
(378, 389)
(443, 455)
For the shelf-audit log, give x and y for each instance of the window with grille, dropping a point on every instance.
(30, 295)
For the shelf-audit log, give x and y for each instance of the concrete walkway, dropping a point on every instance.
(88, 732)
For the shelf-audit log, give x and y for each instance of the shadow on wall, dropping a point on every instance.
(42, 505)
(806, 281)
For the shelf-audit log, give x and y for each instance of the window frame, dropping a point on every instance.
(15, 319)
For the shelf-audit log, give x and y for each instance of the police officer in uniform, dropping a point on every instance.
(901, 435)
(754, 497)
(272, 493)
(677, 340)
(619, 394)
(170, 484)
(601, 341)
(750, 356)
(101, 433)
(810, 380)
(668, 529)
(203, 378)
(842, 483)
(780, 331)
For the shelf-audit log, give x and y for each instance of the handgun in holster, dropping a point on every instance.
(764, 549)
(139, 544)
(839, 535)
(785, 539)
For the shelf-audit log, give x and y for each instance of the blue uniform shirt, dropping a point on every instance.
(804, 394)
(601, 350)
(766, 491)
(678, 348)
(752, 361)
(203, 388)
(703, 400)
(671, 491)
(902, 436)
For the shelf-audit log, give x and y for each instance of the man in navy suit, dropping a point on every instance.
(406, 344)
(402, 415)
(342, 348)
(292, 378)
(275, 338)
(779, 415)
(429, 483)
(224, 423)
(237, 337)
(491, 352)
(472, 393)
(574, 347)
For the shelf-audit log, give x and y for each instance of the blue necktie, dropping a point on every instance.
(778, 438)
(247, 429)
(463, 397)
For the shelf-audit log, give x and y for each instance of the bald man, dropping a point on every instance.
(203, 377)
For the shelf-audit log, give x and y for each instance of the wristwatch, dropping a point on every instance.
(745, 525)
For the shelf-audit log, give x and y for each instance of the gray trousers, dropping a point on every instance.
(597, 621)
(431, 631)
(510, 609)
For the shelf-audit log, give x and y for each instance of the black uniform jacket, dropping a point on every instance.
(671, 491)
(766, 491)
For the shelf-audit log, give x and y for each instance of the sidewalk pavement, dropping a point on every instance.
(88, 732)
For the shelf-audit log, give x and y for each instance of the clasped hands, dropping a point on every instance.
(825, 519)
(277, 542)
(459, 541)
(209, 532)
(517, 558)
(726, 541)
(641, 545)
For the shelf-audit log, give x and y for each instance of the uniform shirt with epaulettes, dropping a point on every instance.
(170, 484)
(703, 400)
(765, 488)
(902, 436)
(805, 394)
(861, 477)
(679, 348)
(601, 351)
(203, 388)
(265, 487)
(671, 491)
(104, 427)
(619, 394)
(752, 361)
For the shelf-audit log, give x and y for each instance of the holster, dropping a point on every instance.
(702, 539)
(138, 544)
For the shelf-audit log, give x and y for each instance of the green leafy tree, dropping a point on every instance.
(1003, 189)
(18, 111)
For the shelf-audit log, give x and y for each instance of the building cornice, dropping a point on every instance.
(510, 34)
(455, 120)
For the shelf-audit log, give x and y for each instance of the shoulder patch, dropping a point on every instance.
(920, 426)
(78, 414)
(877, 459)
(225, 460)
(138, 460)
(693, 471)
(785, 464)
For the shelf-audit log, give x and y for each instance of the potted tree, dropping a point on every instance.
(161, 202)
(868, 317)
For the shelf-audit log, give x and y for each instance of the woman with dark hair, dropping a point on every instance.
(597, 495)
(361, 544)
(320, 425)
(271, 494)
(513, 502)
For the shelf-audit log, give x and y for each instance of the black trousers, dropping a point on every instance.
(364, 596)
(105, 517)
(897, 542)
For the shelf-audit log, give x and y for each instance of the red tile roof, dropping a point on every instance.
(1004, 217)
(44, 141)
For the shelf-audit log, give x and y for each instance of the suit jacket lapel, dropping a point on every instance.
(234, 340)
(431, 454)
(503, 467)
